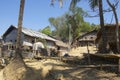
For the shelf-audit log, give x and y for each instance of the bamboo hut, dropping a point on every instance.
(110, 35)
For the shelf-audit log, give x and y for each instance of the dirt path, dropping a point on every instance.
(56, 70)
(1, 75)
(53, 69)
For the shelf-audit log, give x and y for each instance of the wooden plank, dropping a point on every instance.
(59, 58)
(107, 55)
(97, 66)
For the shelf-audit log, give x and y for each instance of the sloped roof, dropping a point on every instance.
(30, 32)
(110, 30)
(94, 32)
(36, 34)
(60, 43)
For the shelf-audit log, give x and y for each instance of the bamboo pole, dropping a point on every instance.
(88, 53)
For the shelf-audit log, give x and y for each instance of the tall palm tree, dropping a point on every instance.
(17, 62)
(93, 4)
(72, 4)
(104, 39)
(20, 19)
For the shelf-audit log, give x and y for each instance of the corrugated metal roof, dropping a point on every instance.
(36, 34)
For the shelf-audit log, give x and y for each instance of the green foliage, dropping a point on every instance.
(93, 4)
(46, 30)
(43, 41)
(86, 27)
(73, 4)
(77, 23)
(60, 26)
(94, 26)
(72, 23)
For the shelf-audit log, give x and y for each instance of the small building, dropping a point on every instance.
(110, 39)
(87, 38)
(28, 37)
(62, 47)
(1, 42)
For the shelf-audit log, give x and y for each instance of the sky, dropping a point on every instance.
(37, 13)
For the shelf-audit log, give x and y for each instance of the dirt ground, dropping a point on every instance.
(57, 70)
(79, 51)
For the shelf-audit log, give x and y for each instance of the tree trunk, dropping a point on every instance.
(16, 69)
(20, 19)
(104, 40)
(117, 25)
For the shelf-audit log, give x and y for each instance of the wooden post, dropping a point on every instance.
(101, 66)
(119, 66)
(88, 52)
(0, 51)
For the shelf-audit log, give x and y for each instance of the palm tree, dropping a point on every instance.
(93, 4)
(72, 4)
(17, 62)
(104, 39)
(20, 19)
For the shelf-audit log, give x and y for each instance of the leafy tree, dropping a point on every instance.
(77, 23)
(60, 26)
(72, 22)
(86, 27)
(46, 30)
(94, 26)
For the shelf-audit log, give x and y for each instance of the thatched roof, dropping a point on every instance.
(30, 32)
(93, 33)
(110, 36)
(110, 30)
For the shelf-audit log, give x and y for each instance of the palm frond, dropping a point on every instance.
(73, 4)
(93, 4)
(61, 3)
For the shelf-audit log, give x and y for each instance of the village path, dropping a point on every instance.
(1, 75)
(54, 69)
(64, 71)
